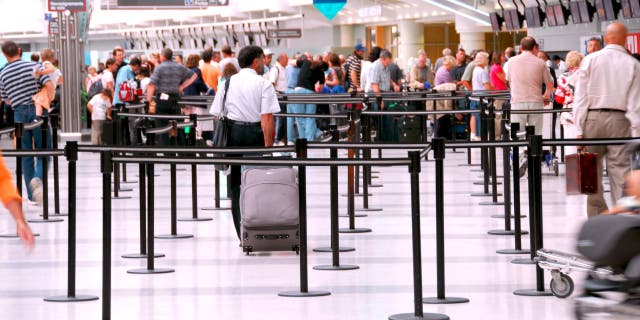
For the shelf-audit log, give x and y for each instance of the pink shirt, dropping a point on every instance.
(495, 81)
(527, 73)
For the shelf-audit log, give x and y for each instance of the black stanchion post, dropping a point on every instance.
(366, 169)
(56, 173)
(216, 194)
(44, 130)
(418, 312)
(535, 178)
(71, 152)
(116, 166)
(515, 162)
(335, 248)
(194, 176)
(173, 136)
(301, 151)
(491, 157)
(438, 147)
(106, 166)
(484, 154)
(369, 138)
(150, 269)
(530, 131)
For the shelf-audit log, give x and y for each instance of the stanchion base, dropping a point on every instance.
(501, 216)
(477, 170)
(357, 215)
(45, 220)
(372, 171)
(15, 235)
(447, 300)
(141, 255)
(125, 190)
(368, 209)
(155, 175)
(480, 183)
(468, 165)
(118, 197)
(152, 271)
(376, 185)
(482, 194)
(194, 219)
(329, 249)
(513, 251)
(79, 298)
(425, 316)
(177, 169)
(174, 236)
(524, 261)
(336, 268)
(355, 195)
(356, 230)
(216, 209)
(500, 232)
(532, 293)
(57, 215)
(490, 203)
(299, 294)
(128, 181)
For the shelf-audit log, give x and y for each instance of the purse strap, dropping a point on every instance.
(224, 98)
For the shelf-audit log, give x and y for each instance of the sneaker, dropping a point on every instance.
(522, 170)
(36, 190)
(325, 137)
(209, 143)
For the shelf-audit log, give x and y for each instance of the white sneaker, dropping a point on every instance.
(36, 190)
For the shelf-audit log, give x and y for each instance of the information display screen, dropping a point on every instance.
(580, 11)
(605, 10)
(496, 22)
(630, 9)
(551, 16)
(513, 19)
(534, 17)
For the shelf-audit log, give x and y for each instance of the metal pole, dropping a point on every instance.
(106, 167)
(55, 122)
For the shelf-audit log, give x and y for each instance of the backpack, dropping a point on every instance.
(96, 88)
(129, 92)
(347, 75)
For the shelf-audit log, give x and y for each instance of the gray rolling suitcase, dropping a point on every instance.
(269, 208)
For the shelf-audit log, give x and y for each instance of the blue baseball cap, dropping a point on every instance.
(360, 47)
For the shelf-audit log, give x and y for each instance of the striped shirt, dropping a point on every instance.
(354, 65)
(18, 83)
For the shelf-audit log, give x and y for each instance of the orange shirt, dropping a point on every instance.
(210, 75)
(8, 191)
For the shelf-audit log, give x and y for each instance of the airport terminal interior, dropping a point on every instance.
(418, 198)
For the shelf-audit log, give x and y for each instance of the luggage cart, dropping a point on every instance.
(560, 264)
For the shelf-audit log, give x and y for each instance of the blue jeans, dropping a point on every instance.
(307, 127)
(474, 105)
(30, 138)
(292, 135)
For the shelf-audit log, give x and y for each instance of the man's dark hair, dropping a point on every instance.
(135, 61)
(385, 54)
(227, 50)
(596, 39)
(116, 49)
(35, 57)
(528, 43)
(109, 62)
(461, 50)
(248, 54)
(207, 55)
(167, 54)
(374, 54)
(10, 49)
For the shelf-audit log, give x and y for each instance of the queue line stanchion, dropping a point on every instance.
(492, 158)
(418, 308)
(56, 173)
(515, 162)
(484, 167)
(18, 132)
(335, 248)
(142, 183)
(216, 194)
(301, 152)
(366, 169)
(173, 136)
(468, 132)
(150, 269)
(193, 118)
(351, 206)
(44, 130)
(367, 133)
(438, 147)
(71, 152)
(535, 176)
(106, 167)
(116, 168)
(354, 136)
(530, 131)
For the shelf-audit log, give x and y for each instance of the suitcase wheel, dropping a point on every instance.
(296, 248)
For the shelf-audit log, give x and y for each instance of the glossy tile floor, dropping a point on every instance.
(215, 280)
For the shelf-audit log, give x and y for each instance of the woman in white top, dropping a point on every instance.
(479, 81)
(92, 77)
(374, 54)
(100, 108)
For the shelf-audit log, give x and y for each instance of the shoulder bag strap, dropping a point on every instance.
(224, 98)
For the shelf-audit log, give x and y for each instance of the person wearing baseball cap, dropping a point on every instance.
(352, 68)
(268, 58)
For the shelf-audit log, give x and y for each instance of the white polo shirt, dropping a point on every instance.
(249, 97)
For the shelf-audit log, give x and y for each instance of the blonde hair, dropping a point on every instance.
(573, 59)
(482, 58)
(47, 55)
(449, 60)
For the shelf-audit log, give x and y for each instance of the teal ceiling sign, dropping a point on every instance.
(329, 8)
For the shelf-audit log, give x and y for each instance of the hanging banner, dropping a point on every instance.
(329, 8)
(633, 42)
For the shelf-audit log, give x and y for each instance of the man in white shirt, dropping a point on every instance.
(278, 78)
(607, 105)
(249, 105)
(228, 57)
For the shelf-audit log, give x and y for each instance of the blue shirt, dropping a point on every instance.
(292, 76)
(124, 74)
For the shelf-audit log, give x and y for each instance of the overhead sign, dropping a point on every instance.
(64, 5)
(284, 33)
(370, 12)
(54, 27)
(171, 3)
(633, 42)
(329, 8)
